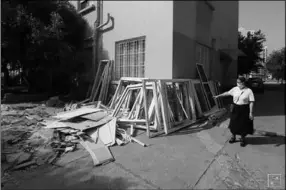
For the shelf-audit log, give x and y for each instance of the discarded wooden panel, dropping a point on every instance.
(101, 75)
(164, 105)
(197, 106)
(212, 89)
(157, 106)
(123, 83)
(206, 87)
(185, 124)
(145, 108)
(95, 116)
(99, 123)
(107, 133)
(55, 124)
(201, 97)
(106, 80)
(136, 103)
(192, 100)
(99, 153)
(83, 125)
(95, 84)
(217, 92)
(132, 79)
(75, 113)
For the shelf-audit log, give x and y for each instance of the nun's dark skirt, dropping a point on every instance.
(240, 124)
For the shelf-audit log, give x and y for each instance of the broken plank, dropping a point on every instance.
(115, 96)
(98, 151)
(157, 111)
(192, 124)
(145, 107)
(99, 123)
(82, 125)
(55, 124)
(107, 133)
(95, 116)
(76, 113)
(122, 120)
(164, 105)
(132, 79)
(135, 104)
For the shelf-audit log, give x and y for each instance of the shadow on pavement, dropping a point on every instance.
(277, 141)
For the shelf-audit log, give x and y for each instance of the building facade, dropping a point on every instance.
(165, 39)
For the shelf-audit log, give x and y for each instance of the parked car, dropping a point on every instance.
(256, 84)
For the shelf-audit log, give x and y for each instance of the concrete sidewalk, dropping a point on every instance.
(174, 162)
(191, 158)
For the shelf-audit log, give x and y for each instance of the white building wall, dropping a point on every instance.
(153, 19)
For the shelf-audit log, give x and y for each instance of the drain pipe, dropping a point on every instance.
(98, 33)
(95, 36)
(96, 46)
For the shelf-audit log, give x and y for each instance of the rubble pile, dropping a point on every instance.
(23, 142)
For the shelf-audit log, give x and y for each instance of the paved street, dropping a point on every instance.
(197, 158)
(264, 155)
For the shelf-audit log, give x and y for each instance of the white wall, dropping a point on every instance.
(153, 19)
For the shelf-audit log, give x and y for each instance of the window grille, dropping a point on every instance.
(130, 58)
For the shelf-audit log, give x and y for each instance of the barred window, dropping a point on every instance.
(130, 58)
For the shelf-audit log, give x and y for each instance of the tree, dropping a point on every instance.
(251, 45)
(276, 64)
(42, 37)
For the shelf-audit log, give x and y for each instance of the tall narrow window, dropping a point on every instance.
(130, 58)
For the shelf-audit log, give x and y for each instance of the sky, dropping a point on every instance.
(268, 16)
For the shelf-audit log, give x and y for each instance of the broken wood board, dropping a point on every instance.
(54, 124)
(82, 126)
(75, 113)
(95, 116)
(191, 124)
(99, 153)
(106, 133)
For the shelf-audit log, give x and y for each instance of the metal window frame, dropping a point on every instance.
(136, 72)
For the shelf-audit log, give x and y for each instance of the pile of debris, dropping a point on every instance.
(90, 125)
(22, 137)
(156, 106)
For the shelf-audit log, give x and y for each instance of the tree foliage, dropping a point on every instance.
(42, 37)
(276, 64)
(251, 45)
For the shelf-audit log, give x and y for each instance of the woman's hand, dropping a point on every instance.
(251, 116)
